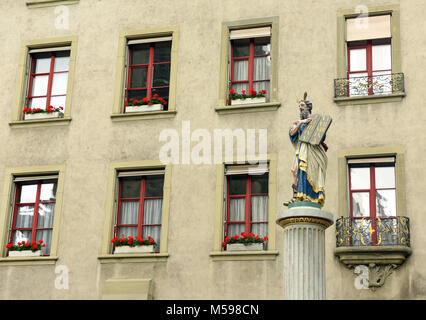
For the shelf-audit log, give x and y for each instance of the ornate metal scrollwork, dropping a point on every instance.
(356, 232)
(380, 84)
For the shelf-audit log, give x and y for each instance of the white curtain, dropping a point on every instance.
(259, 212)
(152, 215)
(129, 215)
(237, 213)
(262, 66)
(240, 74)
(45, 220)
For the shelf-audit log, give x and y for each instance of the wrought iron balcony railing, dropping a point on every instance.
(362, 232)
(383, 84)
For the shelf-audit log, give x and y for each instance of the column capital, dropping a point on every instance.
(304, 214)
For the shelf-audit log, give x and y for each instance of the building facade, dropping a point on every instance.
(82, 163)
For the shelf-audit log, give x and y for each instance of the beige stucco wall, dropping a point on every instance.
(91, 141)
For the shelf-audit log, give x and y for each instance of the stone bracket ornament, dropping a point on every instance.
(376, 274)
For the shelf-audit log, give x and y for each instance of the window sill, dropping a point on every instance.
(351, 256)
(123, 258)
(28, 261)
(40, 123)
(244, 255)
(343, 101)
(267, 106)
(143, 115)
(49, 3)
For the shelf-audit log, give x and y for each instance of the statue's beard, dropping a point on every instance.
(304, 114)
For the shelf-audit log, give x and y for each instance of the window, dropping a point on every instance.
(250, 60)
(33, 210)
(48, 78)
(369, 55)
(372, 196)
(148, 70)
(139, 204)
(247, 199)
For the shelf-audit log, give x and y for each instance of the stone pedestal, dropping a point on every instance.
(304, 225)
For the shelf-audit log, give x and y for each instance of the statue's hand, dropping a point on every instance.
(306, 121)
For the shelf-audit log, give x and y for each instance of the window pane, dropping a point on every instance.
(259, 183)
(240, 70)
(237, 209)
(136, 94)
(139, 53)
(58, 102)
(259, 208)
(161, 75)
(62, 63)
(48, 191)
(262, 68)
(39, 86)
(154, 186)
(385, 203)
(60, 82)
(361, 204)
(45, 215)
(382, 57)
(138, 77)
(162, 51)
(127, 231)
(360, 178)
(237, 184)
(28, 193)
(131, 187)
(42, 63)
(264, 85)
(236, 229)
(152, 211)
(129, 212)
(154, 232)
(382, 82)
(162, 92)
(241, 47)
(20, 236)
(262, 46)
(24, 217)
(46, 236)
(358, 84)
(239, 87)
(358, 59)
(385, 177)
(37, 103)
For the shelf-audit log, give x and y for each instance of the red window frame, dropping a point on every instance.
(250, 78)
(141, 199)
(369, 61)
(36, 205)
(247, 216)
(150, 72)
(372, 196)
(51, 73)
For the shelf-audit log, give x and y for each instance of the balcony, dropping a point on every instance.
(365, 241)
(378, 87)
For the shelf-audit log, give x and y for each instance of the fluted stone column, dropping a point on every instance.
(304, 225)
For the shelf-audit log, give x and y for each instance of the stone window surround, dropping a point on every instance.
(5, 213)
(217, 254)
(393, 10)
(273, 105)
(21, 81)
(106, 256)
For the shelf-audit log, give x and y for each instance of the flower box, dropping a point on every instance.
(135, 249)
(42, 115)
(144, 108)
(25, 253)
(248, 101)
(244, 247)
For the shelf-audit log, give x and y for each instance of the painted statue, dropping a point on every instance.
(310, 163)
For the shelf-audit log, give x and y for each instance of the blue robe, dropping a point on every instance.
(306, 190)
